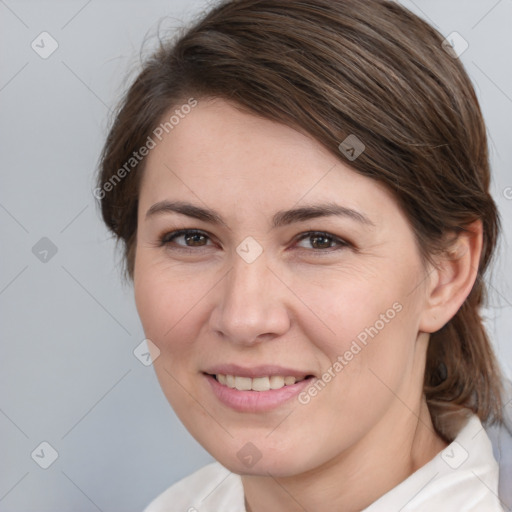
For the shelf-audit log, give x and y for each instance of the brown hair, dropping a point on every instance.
(332, 68)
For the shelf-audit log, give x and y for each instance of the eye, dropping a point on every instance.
(188, 237)
(321, 241)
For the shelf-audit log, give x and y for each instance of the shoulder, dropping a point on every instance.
(211, 488)
(462, 477)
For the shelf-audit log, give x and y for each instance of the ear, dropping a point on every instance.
(452, 279)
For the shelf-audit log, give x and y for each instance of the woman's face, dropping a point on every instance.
(297, 266)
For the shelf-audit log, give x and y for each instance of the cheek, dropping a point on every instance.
(166, 303)
(367, 328)
(168, 306)
(349, 308)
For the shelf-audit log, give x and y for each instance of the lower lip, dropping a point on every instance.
(255, 401)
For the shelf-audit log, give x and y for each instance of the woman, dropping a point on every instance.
(302, 191)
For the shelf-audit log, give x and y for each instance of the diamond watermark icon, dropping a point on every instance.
(455, 45)
(249, 249)
(146, 352)
(44, 45)
(352, 147)
(249, 454)
(44, 455)
(44, 250)
(454, 455)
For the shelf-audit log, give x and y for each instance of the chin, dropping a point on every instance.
(259, 459)
(276, 468)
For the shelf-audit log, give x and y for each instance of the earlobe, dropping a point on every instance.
(453, 278)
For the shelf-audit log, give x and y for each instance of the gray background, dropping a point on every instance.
(68, 326)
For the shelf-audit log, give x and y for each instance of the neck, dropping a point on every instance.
(354, 479)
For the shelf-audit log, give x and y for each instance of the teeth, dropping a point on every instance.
(276, 382)
(243, 383)
(260, 384)
(256, 384)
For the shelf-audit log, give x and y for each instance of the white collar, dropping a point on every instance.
(462, 477)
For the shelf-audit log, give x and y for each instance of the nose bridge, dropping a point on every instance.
(248, 287)
(250, 304)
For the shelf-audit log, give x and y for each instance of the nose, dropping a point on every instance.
(250, 304)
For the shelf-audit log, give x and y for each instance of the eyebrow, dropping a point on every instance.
(281, 218)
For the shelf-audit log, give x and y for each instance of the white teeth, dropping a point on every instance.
(260, 384)
(276, 382)
(230, 381)
(256, 384)
(243, 383)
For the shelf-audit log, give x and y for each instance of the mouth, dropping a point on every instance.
(264, 383)
(255, 390)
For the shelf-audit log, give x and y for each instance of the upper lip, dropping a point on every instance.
(256, 371)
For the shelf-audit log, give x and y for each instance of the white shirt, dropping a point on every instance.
(461, 478)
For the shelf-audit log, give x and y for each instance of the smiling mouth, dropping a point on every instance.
(266, 383)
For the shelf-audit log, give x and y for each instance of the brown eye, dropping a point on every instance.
(195, 239)
(185, 238)
(321, 241)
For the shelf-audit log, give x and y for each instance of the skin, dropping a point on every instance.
(300, 304)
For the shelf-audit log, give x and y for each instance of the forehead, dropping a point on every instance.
(220, 155)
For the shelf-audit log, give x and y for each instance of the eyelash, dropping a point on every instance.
(167, 238)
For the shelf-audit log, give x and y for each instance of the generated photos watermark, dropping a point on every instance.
(357, 345)
(151, 142)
